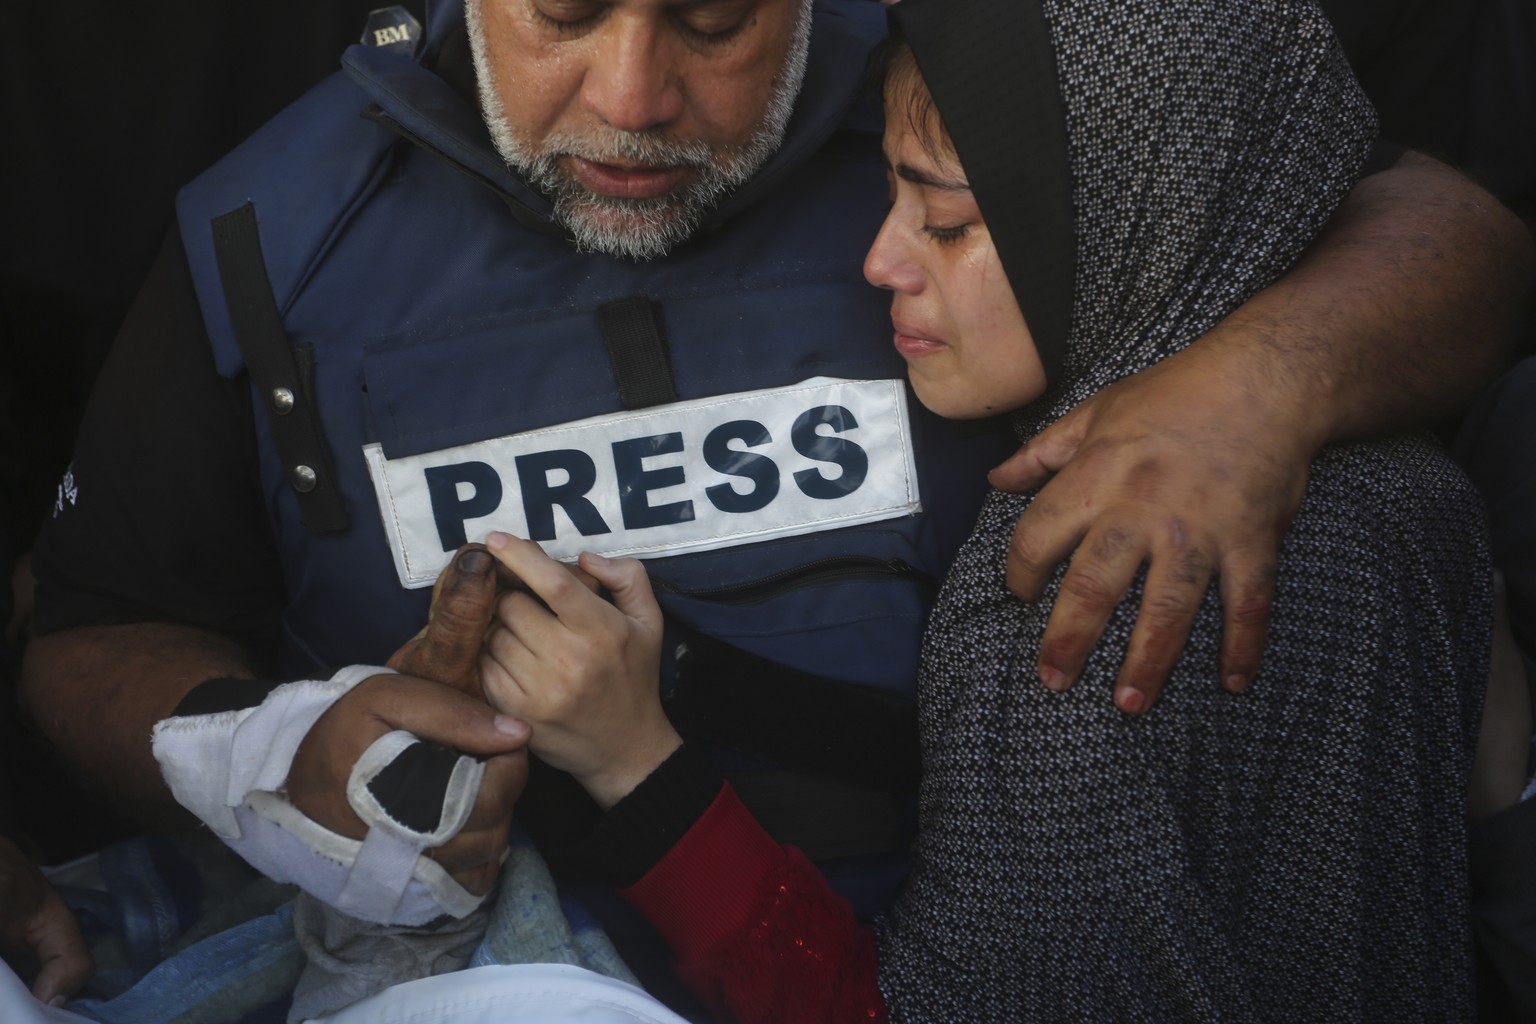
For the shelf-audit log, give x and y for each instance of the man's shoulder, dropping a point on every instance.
(300, 172)
(303, 141)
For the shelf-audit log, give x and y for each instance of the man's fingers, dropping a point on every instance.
(476, 871)
(1247, 594)
(1101, 572)
(1045, 536)
(1033, 464)
(56, 941)
(462, 604)
(500, 789)
(317, 779)
(1176, 583)
(1021, 471)
(474, 856)
(443, 716)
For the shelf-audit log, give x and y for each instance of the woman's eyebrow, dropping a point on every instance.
(920, 177)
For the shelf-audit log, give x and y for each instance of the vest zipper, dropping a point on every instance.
(823, 570)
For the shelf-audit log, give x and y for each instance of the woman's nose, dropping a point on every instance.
(887, 265)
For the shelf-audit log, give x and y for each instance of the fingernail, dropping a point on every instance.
(1236, 683)
(497, 540)
(596, 559)
(1053, 678)
(511, 726)
(475, 562)
(1132, 702)
(57, 1002)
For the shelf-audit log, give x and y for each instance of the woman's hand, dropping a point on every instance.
(583, 672)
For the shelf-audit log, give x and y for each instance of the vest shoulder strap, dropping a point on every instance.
(305, 171)
(275, 370)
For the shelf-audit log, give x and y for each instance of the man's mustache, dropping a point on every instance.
(632, 148)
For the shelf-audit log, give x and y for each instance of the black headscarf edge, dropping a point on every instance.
(991, 69)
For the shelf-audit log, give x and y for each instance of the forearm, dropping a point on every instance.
(97, 692)
(1408, 304)
(756, 931)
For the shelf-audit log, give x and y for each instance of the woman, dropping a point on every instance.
(1081, 188)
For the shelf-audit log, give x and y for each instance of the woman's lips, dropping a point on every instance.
(912, 342)
(627, 182)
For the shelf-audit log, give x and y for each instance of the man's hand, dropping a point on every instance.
(1178, 468)
(438, 698)
(1403, 308)
(583, 672)
(34, 918)
(447, 650)
(317, 781)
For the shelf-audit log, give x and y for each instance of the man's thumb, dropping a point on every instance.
(462, 604)
(1036, 462)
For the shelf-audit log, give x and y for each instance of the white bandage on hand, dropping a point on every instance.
(229, 768)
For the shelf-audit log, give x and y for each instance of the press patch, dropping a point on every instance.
(692, 476)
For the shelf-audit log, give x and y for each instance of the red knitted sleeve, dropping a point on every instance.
(756, 931)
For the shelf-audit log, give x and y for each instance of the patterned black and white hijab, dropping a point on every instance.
(1144, 166)
(1295, 852)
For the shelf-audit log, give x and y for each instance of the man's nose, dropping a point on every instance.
(634, 82)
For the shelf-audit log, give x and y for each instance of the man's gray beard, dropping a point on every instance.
(640, 229)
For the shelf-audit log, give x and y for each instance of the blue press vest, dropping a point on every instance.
(437, 317)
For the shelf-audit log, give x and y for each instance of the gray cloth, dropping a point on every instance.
(1295, 853)
(347, 959)
(527, 922)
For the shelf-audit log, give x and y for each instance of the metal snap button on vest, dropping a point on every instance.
(282, 401)
(304, 479)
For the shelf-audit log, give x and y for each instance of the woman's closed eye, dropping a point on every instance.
(946, 235)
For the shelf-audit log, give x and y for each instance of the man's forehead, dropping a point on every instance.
(665, 5)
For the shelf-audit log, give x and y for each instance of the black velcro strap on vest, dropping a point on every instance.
(271, 362)
(637, 349)
(801, 722)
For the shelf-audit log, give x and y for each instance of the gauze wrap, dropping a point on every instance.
(230, 768)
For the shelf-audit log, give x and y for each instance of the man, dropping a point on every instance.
(683, 219)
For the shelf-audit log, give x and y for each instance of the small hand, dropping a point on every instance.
(33, 917)
(447, 650)
(1176, 467)
(581, 671)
